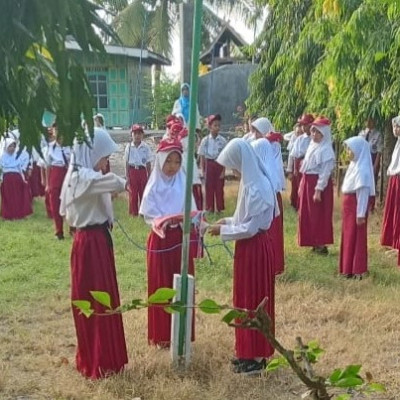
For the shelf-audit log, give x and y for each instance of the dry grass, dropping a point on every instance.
(355, 322)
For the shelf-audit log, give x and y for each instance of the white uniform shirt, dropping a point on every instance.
(300, 146)
(210, 147)
(138, 156)
(10, 163)
(374, 139)
(324, 172)
(95, 206)
(55, 154)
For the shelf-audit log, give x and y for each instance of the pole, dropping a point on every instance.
(189, 170)
(186, 11)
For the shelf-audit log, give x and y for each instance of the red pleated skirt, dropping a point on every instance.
(276, 235)
(101, 347)
(390, 235)
(161, 267)
(16, 199)
(315, 226)
(294, 194)
(35, 182)
(253, 280)
(353, 247)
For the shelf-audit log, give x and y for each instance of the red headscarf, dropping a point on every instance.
(274, 137)
(167, 145)
(306, 119)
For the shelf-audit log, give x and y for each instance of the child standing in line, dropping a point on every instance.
(253, 268)
(16, 201)
(138, 158)
(357, 188)
(164, 195)
(214, 174)
(86, 204)
(390, 235)
(57, 159)
(315, 227)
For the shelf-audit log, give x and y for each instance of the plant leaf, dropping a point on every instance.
(176, 306)
(84, 307)
(233, 314)
(102, 297)
(276, 363)
(161, 296)
(376, 387)
(349, 382)
(209, 306)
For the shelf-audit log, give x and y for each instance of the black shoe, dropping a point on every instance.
(323, 250)
(59, 236)
(237, 361)
(349, 276)
(250, 367)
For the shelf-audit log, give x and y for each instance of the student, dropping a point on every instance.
(300, 148)
(86, 204)
(164, 195)
(315, 226)
(197, 190)
(16, 200)
(138, 158)
(253, 268)
(35, 181)
(214, 174)
(357, 188)
(99, 122)
(390, 235)
(294, 196)
(57, 159)
(276, 229)
(182, 106)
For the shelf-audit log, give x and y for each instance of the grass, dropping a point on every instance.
(355, 322)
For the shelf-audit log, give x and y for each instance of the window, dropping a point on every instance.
(98, 86)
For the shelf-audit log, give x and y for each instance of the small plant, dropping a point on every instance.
(301, 359)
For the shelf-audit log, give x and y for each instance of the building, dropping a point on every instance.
(120, 80)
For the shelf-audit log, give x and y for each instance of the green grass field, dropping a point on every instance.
(354, 321)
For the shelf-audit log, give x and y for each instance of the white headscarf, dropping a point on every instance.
(319, 153)
(256, 193)
(263, 125)
(360, 172)
(264, 151)
(163, 195)
(80, 172)
(394, 167)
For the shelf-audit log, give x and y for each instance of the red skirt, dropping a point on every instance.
(101, 347)
(315, 226)
(161, 267)
(16, 199)
(294, 194)
(253, 280)
(137, 183)
(353, 247)
(390, 235)
(35, 182)
(276, 235)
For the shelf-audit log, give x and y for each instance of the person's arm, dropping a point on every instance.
(323, 178)
(362, 195)
(148, 168)
(109, 183)
(240, 231)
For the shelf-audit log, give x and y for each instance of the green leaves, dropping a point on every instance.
(234, 314)
(347, 377)
(102, 297)
(161, 296)
(209, 306)
(277, 363)
(84, 307)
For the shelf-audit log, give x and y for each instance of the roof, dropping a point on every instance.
(147, 56)
(226, 32)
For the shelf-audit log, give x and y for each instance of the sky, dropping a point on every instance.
(246, 33)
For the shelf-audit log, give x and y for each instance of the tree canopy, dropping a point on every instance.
(36, 71)
(333, 57)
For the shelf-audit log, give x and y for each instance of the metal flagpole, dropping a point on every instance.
(189, 171)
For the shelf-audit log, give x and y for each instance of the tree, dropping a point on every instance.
(36, 71)
(336, 57)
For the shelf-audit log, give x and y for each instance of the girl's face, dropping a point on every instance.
(137, 136)
(396, 130)
(316, 135)
(101, 164)
(257, 133)
(350, 155)
(306, 129)
(11, 148)
(172, 164)
(215, 127)
(236, 173)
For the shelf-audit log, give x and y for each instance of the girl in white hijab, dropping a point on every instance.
(16, 200)
(315, 226)
(86, 205)
(357, 188)
(254, 277)
(162, 207)
(390, 235)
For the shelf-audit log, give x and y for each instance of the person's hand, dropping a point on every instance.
(376, 169)
(290, 176)
(221, 221)
(295, 173)
(222, 176)
(214, 230)
(114, 195)
(360, 221)
(317, 196)
(47, 189)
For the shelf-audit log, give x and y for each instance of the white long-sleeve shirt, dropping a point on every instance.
(246, 229)
(95, 205)
(10, 163)
(300, 146)
(55, 154)
(324, 172)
